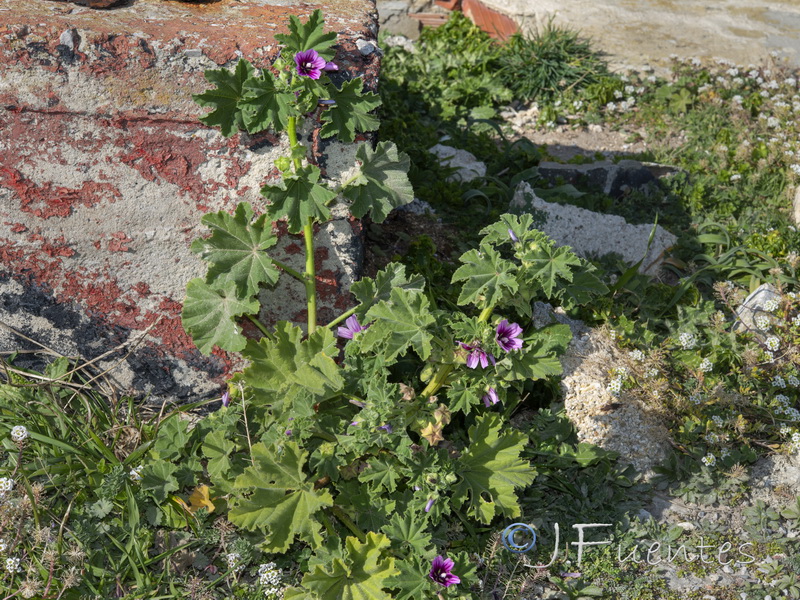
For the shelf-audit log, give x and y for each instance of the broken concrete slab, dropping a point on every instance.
(592, 234)
(105, 171)
(469, 167)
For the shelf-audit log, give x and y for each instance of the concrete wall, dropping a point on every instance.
(105, 172)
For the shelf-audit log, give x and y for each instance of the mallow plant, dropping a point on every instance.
(373, 448)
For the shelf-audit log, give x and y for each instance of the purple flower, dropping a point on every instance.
(477, 355)
(513, 237)
(507, 336)
(329, 66)
(441, 572)
(490, 398)
(309, 63)
(429, 505)
(226, 398)
(353, 327)
(289, 432)
(387, 428)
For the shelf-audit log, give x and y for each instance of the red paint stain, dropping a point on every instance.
(119, 242)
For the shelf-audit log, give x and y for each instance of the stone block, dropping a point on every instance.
(592, 234)
(105, 171)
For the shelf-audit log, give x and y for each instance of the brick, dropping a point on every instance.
(105, 172)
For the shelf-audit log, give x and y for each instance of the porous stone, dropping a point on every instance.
(469, 167)
(105, 172)
(615, 179)
(754, 305)
(592, 234)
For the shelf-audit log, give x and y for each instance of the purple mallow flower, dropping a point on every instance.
(441, 572)
(226, 398)
(513, 237)
(353, 327)
(508, 336)
(490, 398)
(387, 428)
(429, 505)
(477, 355)
(310, 64)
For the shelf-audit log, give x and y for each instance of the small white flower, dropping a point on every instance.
(778, 382)
(773, 122)
(3, 546)
(19, 433)
(785, 430)
(135, 474)
(233, 559)
(771, 305)
(737, 99)
(770, 355)
(796, 321)
(269, 575)
(687, 340)
(762, 322)
(6, 485)
(709, 460)
(695, 398)
(652, 373)
(796, 437)
(795, 169)
(793, 414)
(795, 447)
(621, 372)
(12, 565)
(615, 386)
(706, 366)
(793, 381)
(784, 400)
(636, 355)
(718, 421)
(773, 343)
(726, 452)
(735, 177)
(712, 438)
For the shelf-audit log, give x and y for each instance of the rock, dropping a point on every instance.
(796, 207)
(394, 18)
(754, 305)
(468, 166)
(416, 207)
(592, 234)
(402, 41)
(366, 47)
(95, 3)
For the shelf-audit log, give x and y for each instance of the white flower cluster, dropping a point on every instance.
(12, 565)
(695, 398)
(652, 373)
(687, 340)
(771, 305)
(778, 382)
(712, 438)
(762, 322)
(706, 366)
(709, 460)
(785, 430)
(3, 546)
(636, 355)
(135, 474)
(615, 386)
(234, 561)
(718, 421)
(19, 433)
(6, 485)
(269, 576)
(773, 343)
(793, 381)
(796, 437)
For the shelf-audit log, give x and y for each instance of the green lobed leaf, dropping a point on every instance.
(539, 356)
(217, 449)
(412, 579)
(462, 397)
(382, 183)
(486, 276)
(379, 474)
(299, 197)
(263, 105)
(173, 435)
(283, 501)
(209, 312)
(368, 291)
(225, 97)
(409, 534)
(158, 478)
(236, 249)
(288, 360)
(308, 35)
(491, 469)
(585, 285)
(351, 112)
(546, 265)
(362, 575)
(400, 323)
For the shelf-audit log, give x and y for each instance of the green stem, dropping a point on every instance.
(348, 522)
(343, 316)
(323, 435)
(292, 130)
(310, 276)
(443, 371)
(296, 274)
(326, 522)
(259, 324)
